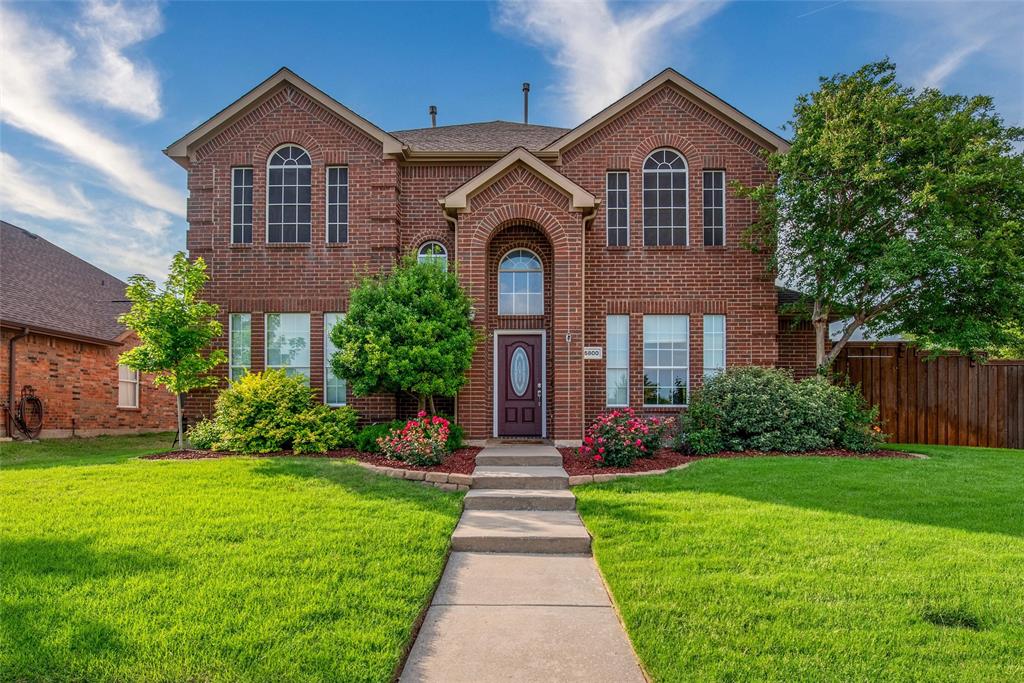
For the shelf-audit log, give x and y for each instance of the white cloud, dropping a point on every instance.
(25, 192)
(602, 54)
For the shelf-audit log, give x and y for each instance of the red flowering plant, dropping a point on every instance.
(423, 441)
(618, 438)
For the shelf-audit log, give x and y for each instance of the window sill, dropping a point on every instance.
(715, 247)
(337, 245)
(241, 245)
(289, 245)
(668, 247)
(130, 409)
(619, 247)
(665, 407)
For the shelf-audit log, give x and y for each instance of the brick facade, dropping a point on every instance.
(394, 207)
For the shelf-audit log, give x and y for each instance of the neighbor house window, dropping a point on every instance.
(288, 192)
(239, 345)
(617, 360)
(617, 207)
(714, 208)
(127, 387)
(714, 345)
(520, 284)
(666, 360)
(335, 387)
(665, 199)
(241, 205)
(288, 343)
(337, 204)
(433, 252)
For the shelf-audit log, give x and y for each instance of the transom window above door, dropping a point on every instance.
(289, 173)
(520, 284)
(665, 199)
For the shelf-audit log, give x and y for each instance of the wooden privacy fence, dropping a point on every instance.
(946, 400)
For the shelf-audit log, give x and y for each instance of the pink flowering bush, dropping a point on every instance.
(423, 441)
(618, 438)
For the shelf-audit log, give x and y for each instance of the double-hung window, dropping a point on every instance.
(714, 208)
(617, 360)
(714, 345)
(241, 205)
(665, 199)
(337, 204)
(239, 345)
(288, 195)
(127, 387)
(288, 343)
(666, 360)
(617, 207)
(335, 387)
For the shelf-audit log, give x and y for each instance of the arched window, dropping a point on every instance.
(433, 252)
(288, 192)
(520, 284)
(665, 199)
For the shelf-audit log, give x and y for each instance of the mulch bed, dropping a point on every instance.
(576, 464)
(461, 461)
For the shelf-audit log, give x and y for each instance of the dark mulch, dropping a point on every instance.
(461, 461)
(576, 464)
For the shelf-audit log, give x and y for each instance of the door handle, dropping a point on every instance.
(540, 393)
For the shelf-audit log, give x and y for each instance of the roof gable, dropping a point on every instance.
(181, 149)
(459, 200)
(674, 78)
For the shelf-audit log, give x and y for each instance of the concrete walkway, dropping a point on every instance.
(521, 598)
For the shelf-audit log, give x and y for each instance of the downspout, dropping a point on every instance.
(587, 219)
(454, 222)
(11, 369)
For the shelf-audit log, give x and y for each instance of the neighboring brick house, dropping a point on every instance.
(59, 315)
(604, 261)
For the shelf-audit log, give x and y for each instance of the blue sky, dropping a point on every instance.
(90, 93)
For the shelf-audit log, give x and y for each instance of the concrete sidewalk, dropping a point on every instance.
(521, 598)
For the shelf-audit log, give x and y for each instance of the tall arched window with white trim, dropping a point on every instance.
(665, 199)
(433, 252)
(520, 284)
(289, 173)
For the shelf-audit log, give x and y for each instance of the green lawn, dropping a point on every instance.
(119, 569)
(816, 569)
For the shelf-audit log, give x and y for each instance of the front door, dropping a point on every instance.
(520, 388)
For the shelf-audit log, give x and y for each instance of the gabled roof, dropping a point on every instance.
(688, 87)
(180, 149)
(459, 199)
(49, 290)
(492, 136)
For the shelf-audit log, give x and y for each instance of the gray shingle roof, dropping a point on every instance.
(45, 287)
(493, 136)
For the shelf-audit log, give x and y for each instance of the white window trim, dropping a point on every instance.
(608, 403)
(231, 344)
(725, 221)
(607, 209)
(266, 192)
(432, 257)
(669, 367)
(643, 187)
(137, 382)
(252, 178)
(725, 347)
(498, 283)
(327, 203)
(266, 344)
(327, 363)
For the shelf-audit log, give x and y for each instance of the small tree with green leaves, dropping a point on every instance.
(174, 327)
(406, 331)
(900, 210)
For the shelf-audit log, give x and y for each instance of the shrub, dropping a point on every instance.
(618, 438)
(700, 429)
(366, 438)
(204, 434)
(322, 428)
(456, 437)
(423, 441)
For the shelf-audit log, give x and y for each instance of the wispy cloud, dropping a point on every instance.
(602, 53)
(32, 194)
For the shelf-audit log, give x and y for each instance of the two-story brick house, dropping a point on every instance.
(604, 260)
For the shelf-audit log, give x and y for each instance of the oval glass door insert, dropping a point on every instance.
(519, 371)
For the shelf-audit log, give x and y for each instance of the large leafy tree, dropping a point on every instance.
(901, 211)
(174, 327)
(406, 331)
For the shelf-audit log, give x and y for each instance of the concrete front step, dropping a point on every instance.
(519, 499)
(520, 457)
(521, 531)
(510, 477)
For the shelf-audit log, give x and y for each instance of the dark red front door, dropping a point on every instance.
(520, 391)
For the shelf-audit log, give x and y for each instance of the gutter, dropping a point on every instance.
(588, 220)
(454, 222)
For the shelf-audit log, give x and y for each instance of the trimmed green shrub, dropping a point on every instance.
(366, 438)
(322, 428)
(256, 412)
(700, 429)
(456, 437)
(204, 434)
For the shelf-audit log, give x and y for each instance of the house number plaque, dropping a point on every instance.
(592, 352)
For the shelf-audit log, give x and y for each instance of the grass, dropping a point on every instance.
(801, 569)
(114, 568)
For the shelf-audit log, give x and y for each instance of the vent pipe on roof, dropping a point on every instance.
(433, 116)
(526, 102)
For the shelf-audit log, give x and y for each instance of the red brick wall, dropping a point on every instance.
(78, 381)
(796, 347)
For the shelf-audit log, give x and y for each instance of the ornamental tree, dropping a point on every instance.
(901, 210)
(174, 327)
(406, 331)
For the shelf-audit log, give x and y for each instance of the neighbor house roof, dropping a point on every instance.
(492, 136)
(49, 290)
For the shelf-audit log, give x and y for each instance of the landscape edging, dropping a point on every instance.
(446, 481)
(576, 480)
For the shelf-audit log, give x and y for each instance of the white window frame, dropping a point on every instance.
(541, 271)
(433, 258)
(266, 346)
(327, 205)
(328, 370)
(704, 226)
(685, 368)
(643, 199)
(715, 370)
(608, 368)
(242, 205)
(231, 345)
(136, 382)
(266, 197)
(608, 209)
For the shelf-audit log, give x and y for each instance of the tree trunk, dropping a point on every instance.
(421, 403)
(181, 431)
(433, 410)
(820, 334)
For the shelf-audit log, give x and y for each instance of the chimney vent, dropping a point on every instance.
(526, 102)
(433, 116)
